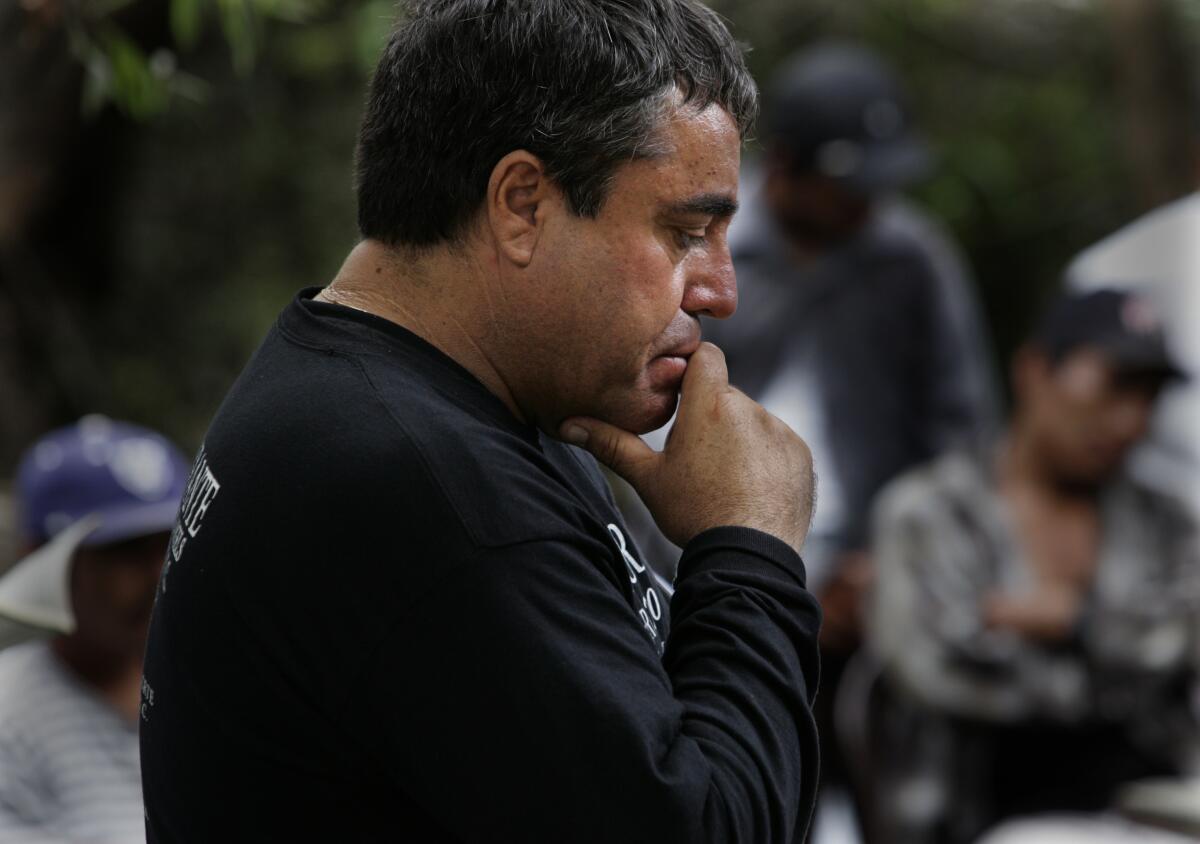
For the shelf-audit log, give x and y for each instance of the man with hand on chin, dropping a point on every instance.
(401, 601)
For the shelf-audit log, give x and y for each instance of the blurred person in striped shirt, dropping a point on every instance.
(95, 501)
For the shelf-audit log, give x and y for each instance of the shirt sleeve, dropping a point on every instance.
(528, 703)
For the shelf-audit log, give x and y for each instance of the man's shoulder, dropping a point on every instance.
(905, 249)
(901, 222)
(505, 481)
(408, 434)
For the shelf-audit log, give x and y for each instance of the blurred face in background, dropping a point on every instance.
(814, 210)
(112, 592)
(1083, 413)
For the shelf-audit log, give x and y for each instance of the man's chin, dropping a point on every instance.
(639, 413)
(648, 415)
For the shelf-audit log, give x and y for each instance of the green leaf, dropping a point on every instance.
(237, 21)
(190, 88)
(134, 87)
(186, 19)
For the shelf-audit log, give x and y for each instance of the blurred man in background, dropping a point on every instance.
(856, 321)
(96, 501)
(1039, 603)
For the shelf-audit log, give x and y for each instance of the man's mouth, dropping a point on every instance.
(670, 366)
(683, 350)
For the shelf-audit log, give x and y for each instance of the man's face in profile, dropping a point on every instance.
(816, 211)
(620, 294)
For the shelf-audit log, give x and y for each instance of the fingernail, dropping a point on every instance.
(575, 435)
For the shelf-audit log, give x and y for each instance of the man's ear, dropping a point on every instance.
(517, 198)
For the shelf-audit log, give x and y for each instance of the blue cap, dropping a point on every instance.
(91, 483)
(128, 477)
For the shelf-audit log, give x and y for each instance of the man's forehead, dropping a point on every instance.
(697, 161)
(686, 129)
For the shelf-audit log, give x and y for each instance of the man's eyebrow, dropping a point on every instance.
(709, 204)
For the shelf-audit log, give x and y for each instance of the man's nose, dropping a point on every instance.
(711, 284)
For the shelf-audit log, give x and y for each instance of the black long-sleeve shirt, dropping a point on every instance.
(392, 612)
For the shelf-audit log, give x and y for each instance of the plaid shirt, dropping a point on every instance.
(943, 542)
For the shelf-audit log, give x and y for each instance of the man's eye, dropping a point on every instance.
(688, 239)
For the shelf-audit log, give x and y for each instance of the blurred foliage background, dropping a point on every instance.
(171, 171)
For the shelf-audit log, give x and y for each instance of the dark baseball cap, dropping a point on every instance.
(1118, 323)
(839, 110)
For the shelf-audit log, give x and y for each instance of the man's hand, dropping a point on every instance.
(727, 461)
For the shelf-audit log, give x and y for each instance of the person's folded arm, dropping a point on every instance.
(928, 620)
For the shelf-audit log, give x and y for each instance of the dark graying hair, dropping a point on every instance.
(582, 84)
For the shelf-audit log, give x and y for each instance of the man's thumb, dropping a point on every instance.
(623, 452)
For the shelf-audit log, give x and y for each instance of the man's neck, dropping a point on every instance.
(1022, 469)
(433, 295)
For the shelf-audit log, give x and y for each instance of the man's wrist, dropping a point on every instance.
(759, 550)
